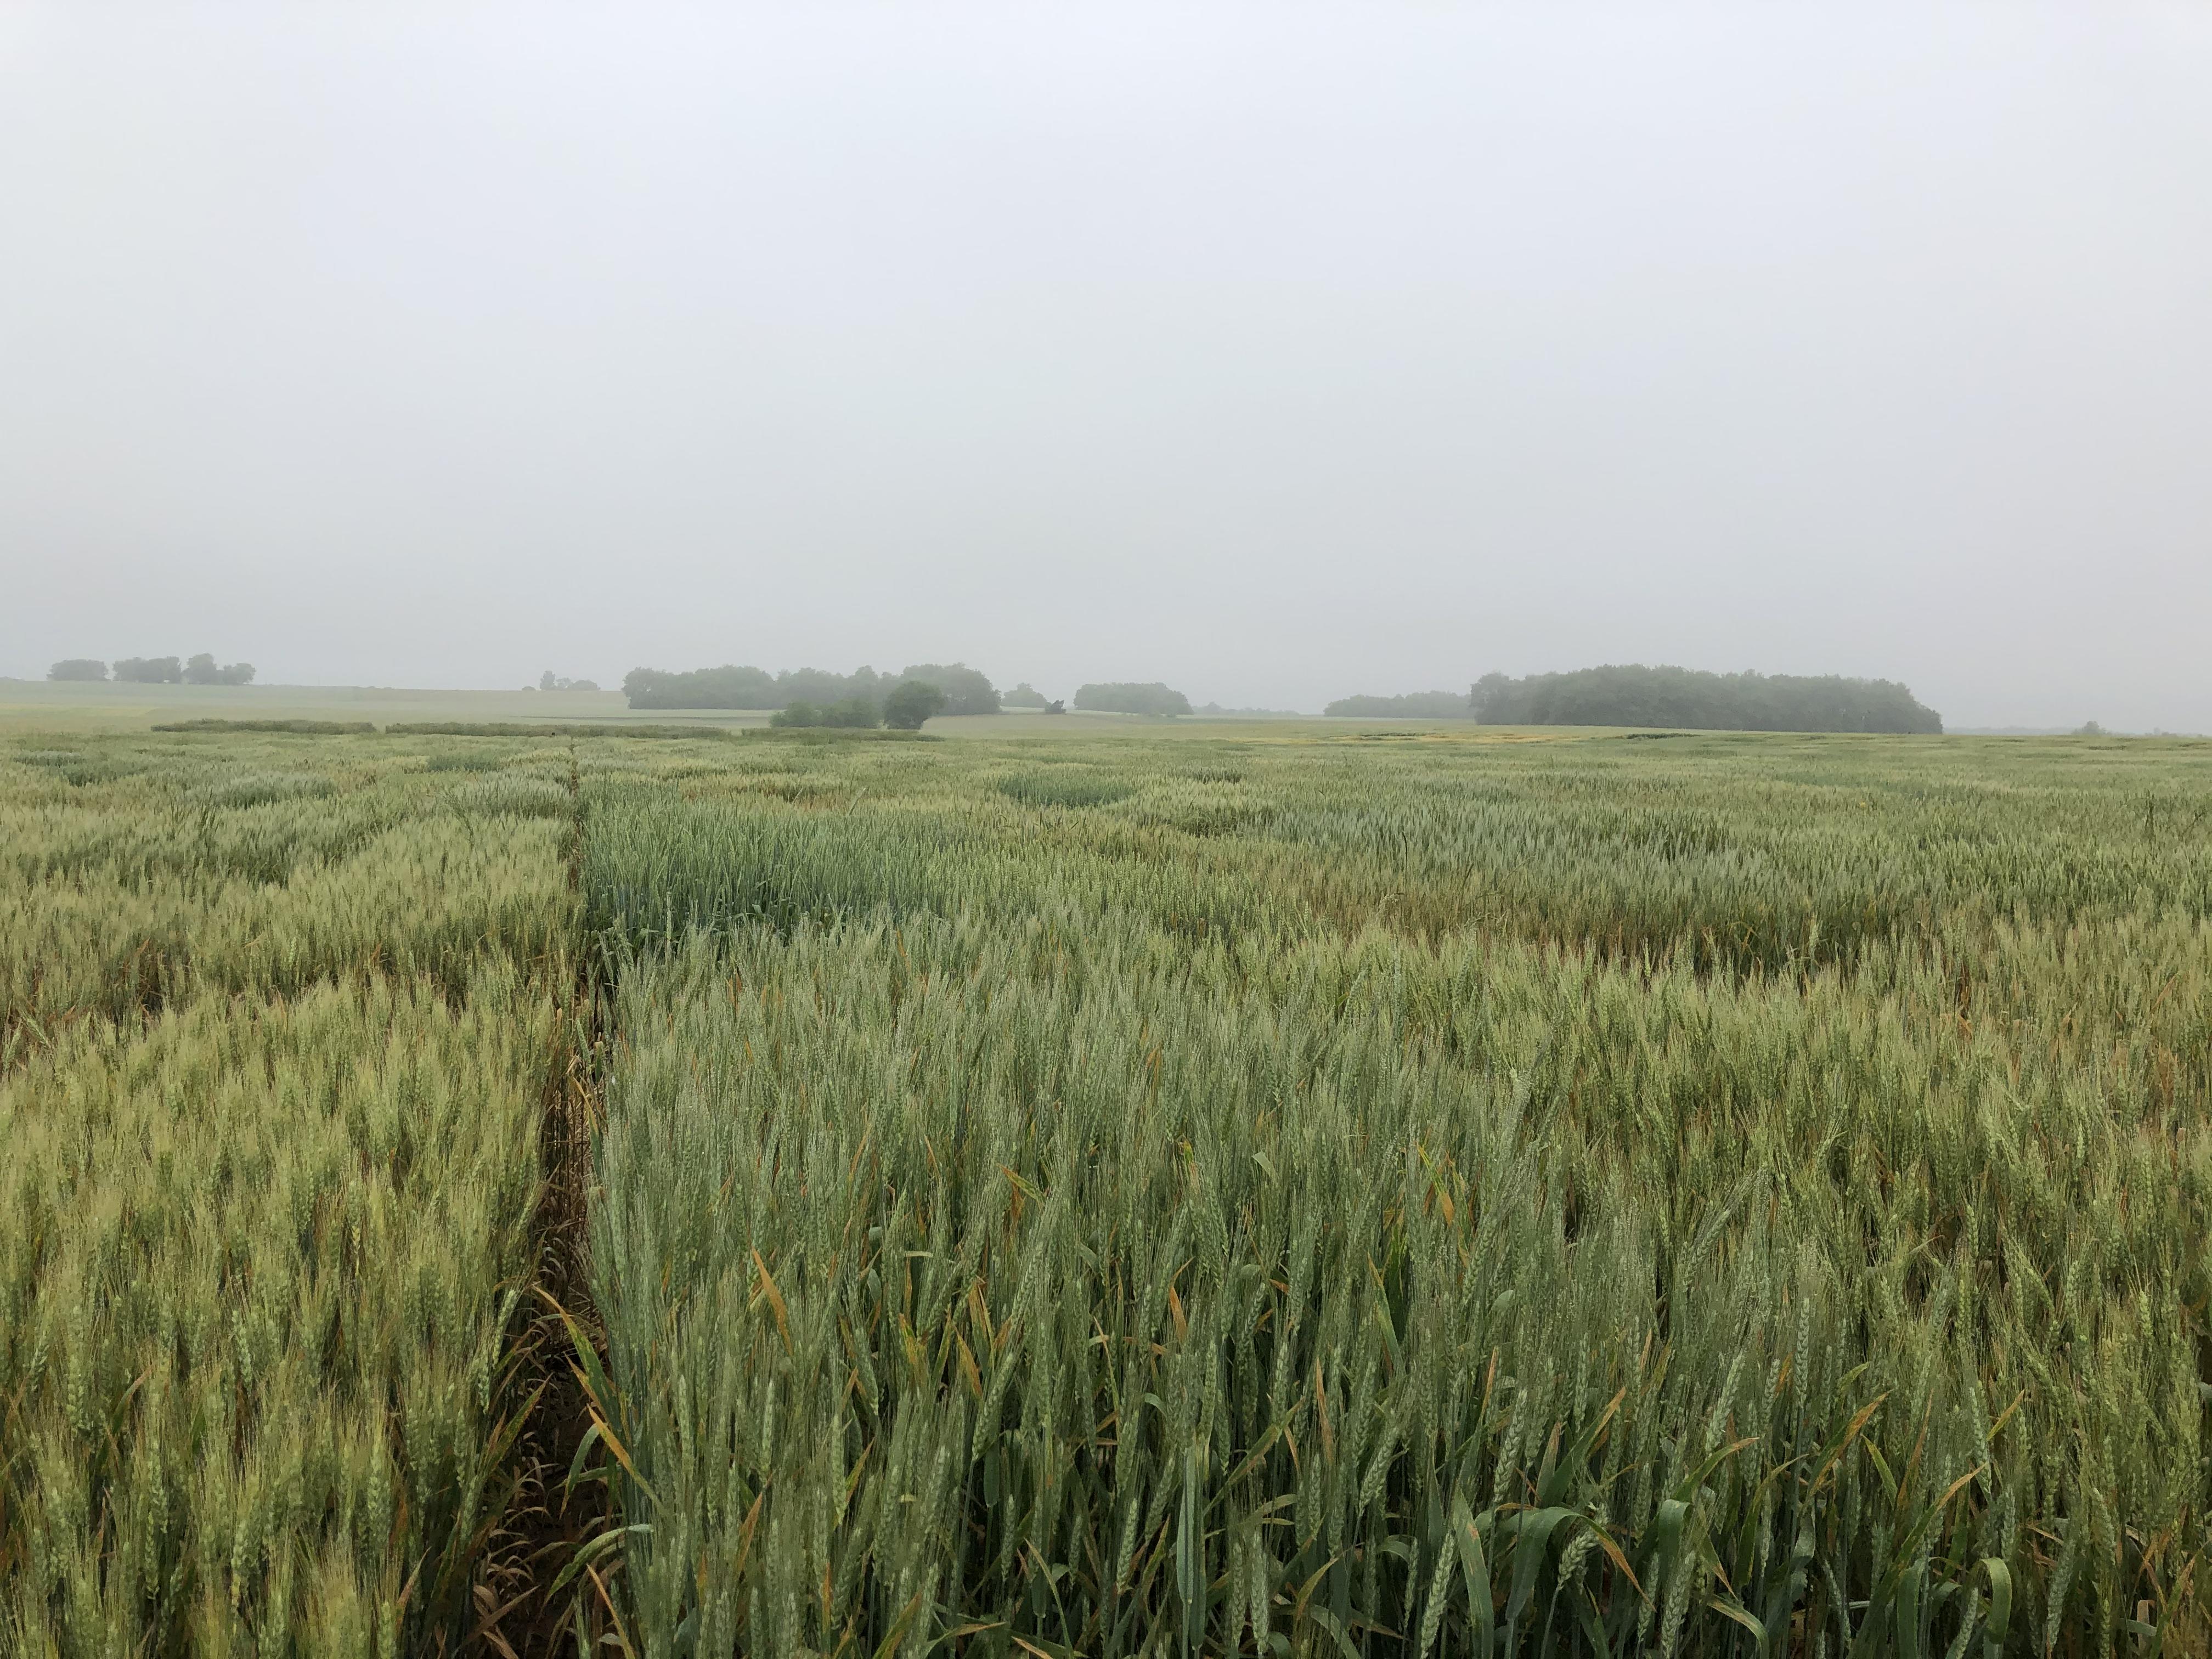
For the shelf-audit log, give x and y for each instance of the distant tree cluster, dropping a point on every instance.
(1024, 695)
(905, 707)
(966, 691)
(859, 712)
(1413, 706)
(1126, 698)
(549, 681)
(726, 687)
(1633, 694)
(813, 693)
(913, 701)
(200, 670)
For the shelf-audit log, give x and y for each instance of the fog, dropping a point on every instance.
(1279, 352)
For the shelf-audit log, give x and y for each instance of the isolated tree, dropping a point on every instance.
(78, 668)
(912, 704)
(235, 673)
(1024, 695)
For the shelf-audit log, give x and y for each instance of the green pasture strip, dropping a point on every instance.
(548, 729)
(302, 727)
(29, 707)
(1712, 1196)
(827, 735)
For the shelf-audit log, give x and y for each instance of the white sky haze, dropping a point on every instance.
(1279, 352)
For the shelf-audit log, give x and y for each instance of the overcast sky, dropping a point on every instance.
(1278, 351)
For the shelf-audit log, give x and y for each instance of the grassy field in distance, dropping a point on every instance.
(34, 705)
(78, 706)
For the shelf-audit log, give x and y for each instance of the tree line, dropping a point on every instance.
(907, 706)
(1633, 694)
(965, 690)
(819, 696)
(201, 669)
(1128, 698)
(1412, 706)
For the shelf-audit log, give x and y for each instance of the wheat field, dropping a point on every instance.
(279, 1020)
(1282, 1190)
